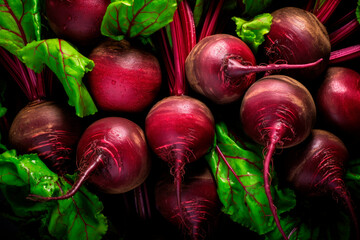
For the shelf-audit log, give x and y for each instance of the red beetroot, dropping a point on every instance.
(112, 155)
(124, 79)
(296, 36)
(199, 201)
(316, 168)
(222, 67)
(278, 112)
(180, 130)
(338, 100)
(48, 129)
(77, 21)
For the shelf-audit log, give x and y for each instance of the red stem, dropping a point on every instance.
(83, 176)
(343, 32)
(211, 20)
(275, 136)
(234, 69)
(324, 12)
(30, 83)
(345, 54)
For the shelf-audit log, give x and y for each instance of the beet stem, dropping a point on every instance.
(344, 194)
(179, 167)
(234, 69)
(275, 135)
(83, 176)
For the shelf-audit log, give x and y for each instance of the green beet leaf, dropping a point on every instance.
(75, 218)
(69, 66)
(252, 32)
(254, 7)
(78, 217)
(140, 18)
(20, 23)
(240, 182)
(309, 223)
(198, 11)
(21, 175)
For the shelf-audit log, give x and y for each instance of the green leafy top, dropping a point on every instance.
(237, 167)
(68, 65)
(254, 7)
(252, 32)
(20, 35)
(19, 23)
(76, 218)
(129, 18)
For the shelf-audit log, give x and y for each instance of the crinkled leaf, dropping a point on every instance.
(19, 23)
(252, 32)
(21, 175)
(78, 217)
(130, 18)
(69, 66)
(254, 7)
(241, 184)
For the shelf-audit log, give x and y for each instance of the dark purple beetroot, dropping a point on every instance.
(199, 201)
(296, 36)
(277, 112)
(316, 168)
(208, 57)
(222, 67)
(77, 21)
(180, 130)
(48, 129)
(124, 79)
(112, 155)
(338, 100)
(121, 145)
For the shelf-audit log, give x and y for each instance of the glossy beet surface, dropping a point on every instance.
(278, 112)
(199, 200)
(124, 159)
(297, 36)
(278, 103)
(49, 129)
(205, 61)
(180, 128)
(124, 79)
(77, 21)
(316, 166)
(338, 100)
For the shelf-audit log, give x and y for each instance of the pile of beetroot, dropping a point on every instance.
(159, 100)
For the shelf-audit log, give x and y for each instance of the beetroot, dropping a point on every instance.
(48, 129)
(222, 67)
(316, 167)
(77, 21)
(278, 112)
(124, 79)
(112, 155)
(180, 130)
(296, 36)
(199, 201)
(338, 100)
